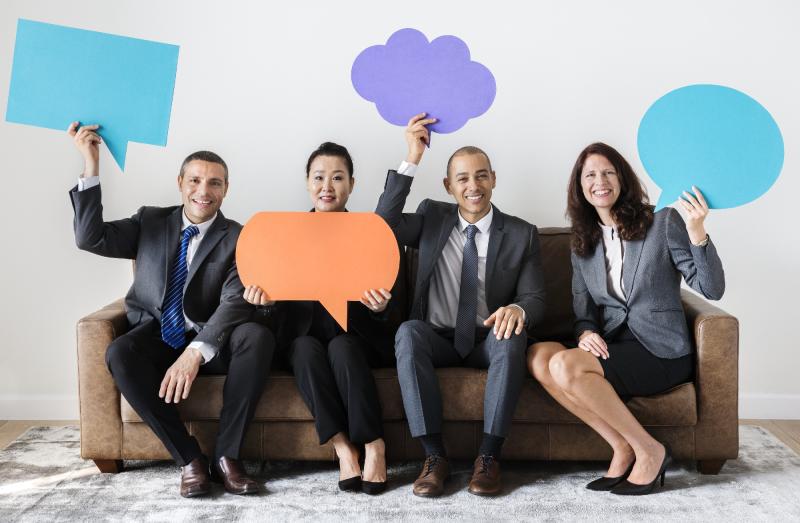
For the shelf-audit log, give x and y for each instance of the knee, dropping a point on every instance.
(342, 351)
(538, 360)
(306, 349)
(117, 355)
(410, 332)
(511, 349)
(566, 369)
(253, 337)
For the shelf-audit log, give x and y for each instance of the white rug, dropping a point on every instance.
(42, 478)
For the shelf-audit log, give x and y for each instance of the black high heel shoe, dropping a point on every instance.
(606, 483)
(626, 488)
(373, 488)
(350, 484)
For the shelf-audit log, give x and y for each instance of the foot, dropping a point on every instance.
(195, 480)
(375, 461)
(234, 477)
(430, 482)
(485, 477)
(622, 460)
(648, 464)
(348, 458)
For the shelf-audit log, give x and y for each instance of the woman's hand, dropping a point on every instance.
(254, 295)
(376, 300)
(696, 210)
(594, 343)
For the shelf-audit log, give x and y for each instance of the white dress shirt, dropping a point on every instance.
(206, 349)
(615, 256)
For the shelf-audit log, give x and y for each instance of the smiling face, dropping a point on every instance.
(600, 183)
(203, 187)
(470, 180)
(329, 183)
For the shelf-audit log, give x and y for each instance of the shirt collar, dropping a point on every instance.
(202, 226)
(483, 225)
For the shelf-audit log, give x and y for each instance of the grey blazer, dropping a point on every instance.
(651, 276)
(513, 263)
(213, 292)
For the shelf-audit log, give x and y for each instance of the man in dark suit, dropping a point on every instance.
(185, 310)
(479, 287)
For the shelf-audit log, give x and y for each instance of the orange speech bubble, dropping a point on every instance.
(331, 257)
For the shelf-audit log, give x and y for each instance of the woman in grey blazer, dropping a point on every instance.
(627, 263)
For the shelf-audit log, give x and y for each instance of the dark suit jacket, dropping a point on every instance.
(213, 293)
(651, 275)
(513, 263)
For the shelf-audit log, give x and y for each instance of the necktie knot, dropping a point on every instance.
(471, 231)
(190, 232)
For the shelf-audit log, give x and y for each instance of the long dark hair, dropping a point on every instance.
(632, 211)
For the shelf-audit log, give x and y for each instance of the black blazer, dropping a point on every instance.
(213, 292)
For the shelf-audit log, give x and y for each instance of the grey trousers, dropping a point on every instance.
(420, 350)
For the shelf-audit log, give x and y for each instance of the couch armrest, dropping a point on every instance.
(101, 423)
(716, 336)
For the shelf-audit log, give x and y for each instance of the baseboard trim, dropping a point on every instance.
(769, 406)
(38, 407)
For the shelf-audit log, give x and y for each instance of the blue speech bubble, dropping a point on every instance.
(714, 137)
(61, 74)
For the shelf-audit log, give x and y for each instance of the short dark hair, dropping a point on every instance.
(632, 211)
(331, 149)
(468, 149)
(205, 156)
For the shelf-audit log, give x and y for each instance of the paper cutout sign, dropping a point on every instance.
(409, 75)
(330, 257)
(61, 74)
(714, 137)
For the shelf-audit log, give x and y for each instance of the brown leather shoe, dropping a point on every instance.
(232, 474)
(485, 477)
(195, 480)
(430, 482)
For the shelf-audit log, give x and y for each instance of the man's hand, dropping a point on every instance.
(87, 141)
(255, 296)
(592, 342)
(376, 300)
(506, 321)
(178, 380)
(418, 137)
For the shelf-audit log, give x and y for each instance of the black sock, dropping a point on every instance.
(491, 445)
(433, 445)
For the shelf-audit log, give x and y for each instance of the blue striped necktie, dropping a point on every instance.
(464, 340)
(173, 330)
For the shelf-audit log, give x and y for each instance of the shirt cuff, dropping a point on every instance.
(88, 183)
(207, 350)
(520, 308)
(407, 169)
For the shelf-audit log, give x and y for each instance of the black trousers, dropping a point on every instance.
(337, 385)
(139, 359)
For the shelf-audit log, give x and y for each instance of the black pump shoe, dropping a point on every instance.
(626, 488)
(373, 488)
(350, 484)
(606, 483)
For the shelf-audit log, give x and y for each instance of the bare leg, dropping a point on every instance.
(539, 356)
(375, 461)
(348, 456)
(581, 378)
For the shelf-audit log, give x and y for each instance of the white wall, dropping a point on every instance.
(263, 84)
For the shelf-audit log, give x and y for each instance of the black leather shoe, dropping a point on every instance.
(606, 483)
(373, 488)
(350, 484)
(626, 488)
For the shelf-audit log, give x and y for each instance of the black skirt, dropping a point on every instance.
(635, 371)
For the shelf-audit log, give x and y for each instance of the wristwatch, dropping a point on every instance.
(702, 242)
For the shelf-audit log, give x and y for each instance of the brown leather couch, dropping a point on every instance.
(699, 420)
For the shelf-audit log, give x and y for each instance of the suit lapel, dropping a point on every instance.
(171, 244)
(495, 242)
(630, 264)
(598, 266)
(449, 221)
(215, 233)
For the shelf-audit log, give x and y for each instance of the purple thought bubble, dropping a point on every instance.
(409, 75)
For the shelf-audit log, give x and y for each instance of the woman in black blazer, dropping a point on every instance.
(627, 263)
(332, 367)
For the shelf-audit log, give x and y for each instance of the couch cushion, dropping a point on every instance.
(462, 399)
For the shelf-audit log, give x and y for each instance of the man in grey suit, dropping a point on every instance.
(479, 288)
(185, 310)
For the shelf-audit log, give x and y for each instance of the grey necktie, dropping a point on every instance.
(468, 296)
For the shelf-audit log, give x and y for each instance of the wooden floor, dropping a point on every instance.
(788, 431)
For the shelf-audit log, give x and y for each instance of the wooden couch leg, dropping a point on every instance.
(111, 466)
(710, 466)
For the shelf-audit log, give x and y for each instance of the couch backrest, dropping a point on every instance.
(557, 268)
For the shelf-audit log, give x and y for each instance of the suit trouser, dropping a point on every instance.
(338, 387)
(139, 359)
(420, 349)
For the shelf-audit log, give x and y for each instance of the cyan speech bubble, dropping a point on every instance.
(61, 74)
(714, 137)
